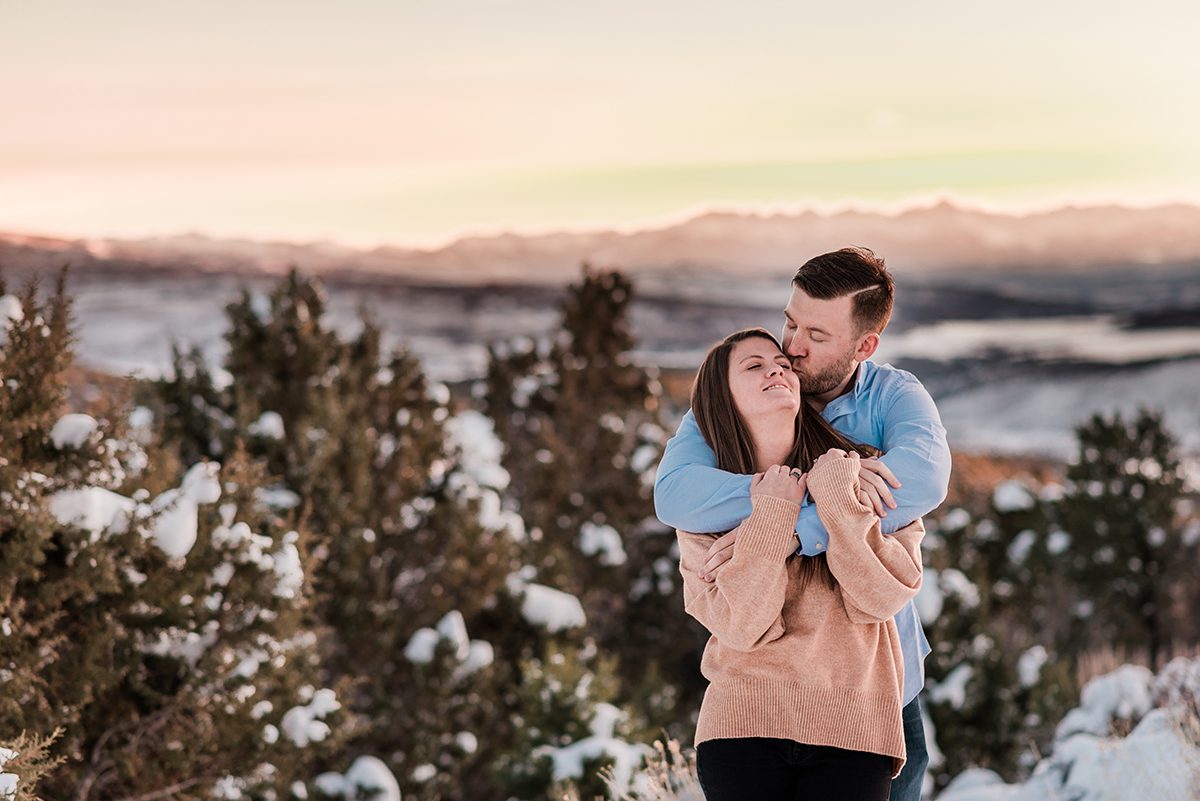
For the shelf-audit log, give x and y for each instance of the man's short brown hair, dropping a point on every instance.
(851, 271)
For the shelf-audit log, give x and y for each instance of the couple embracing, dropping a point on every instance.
(813, 466)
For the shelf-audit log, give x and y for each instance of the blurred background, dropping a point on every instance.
(426, 284)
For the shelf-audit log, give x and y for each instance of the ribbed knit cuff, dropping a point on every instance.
(770, 530)
(833, 484)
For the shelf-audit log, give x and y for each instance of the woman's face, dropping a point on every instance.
(761, 379)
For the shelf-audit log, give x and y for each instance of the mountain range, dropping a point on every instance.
(923, 239)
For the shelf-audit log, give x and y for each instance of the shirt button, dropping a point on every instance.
(820, 545)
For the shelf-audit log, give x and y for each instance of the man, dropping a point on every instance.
(840, 304)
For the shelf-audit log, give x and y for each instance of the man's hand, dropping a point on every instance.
(719, 553)
(874, 478)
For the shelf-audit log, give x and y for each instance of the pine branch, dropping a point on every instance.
(165, 792)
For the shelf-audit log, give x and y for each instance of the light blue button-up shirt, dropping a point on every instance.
(886, 408)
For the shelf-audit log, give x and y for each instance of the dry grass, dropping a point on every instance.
(1106, 659)
(669, 775)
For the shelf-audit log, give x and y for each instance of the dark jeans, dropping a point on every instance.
(770, 769)
(907, 786)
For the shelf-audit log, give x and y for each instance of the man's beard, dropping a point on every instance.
(828, 379)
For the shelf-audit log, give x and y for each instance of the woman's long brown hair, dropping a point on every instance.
(726, 432)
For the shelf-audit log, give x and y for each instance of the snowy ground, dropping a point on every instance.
(1159, 760)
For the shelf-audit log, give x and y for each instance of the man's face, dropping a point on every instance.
(821, 339)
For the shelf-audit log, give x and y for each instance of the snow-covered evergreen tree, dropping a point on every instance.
(996, 680)
(1131, 561)
(427, 611)
(156, 619)
(580, 424)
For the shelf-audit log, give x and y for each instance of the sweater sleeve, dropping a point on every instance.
(877, 575)
(743, 607)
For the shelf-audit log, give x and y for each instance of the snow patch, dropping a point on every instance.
(475, 437)
(553, 609)
(268, 425)
(568, 761)
(929, 598)
(604, 540)
(1018, 549)
(954, 582)
(301, 724)
(8, 781)
(1029, 665)
(1160, 759)
(1123, 694)
(472, 655)
(952, 690)
(73, 430)
(1012, 496)
(93, 509)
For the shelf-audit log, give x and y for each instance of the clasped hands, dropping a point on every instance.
(875, 490)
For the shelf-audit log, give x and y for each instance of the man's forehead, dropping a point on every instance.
(807, 310)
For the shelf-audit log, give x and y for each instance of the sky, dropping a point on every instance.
(369, 122)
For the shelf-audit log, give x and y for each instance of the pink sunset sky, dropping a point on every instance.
(404, 122)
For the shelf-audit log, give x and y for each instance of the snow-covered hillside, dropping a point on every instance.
(1038, 414)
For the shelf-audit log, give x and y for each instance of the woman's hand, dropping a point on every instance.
(853, 477)
(834, 454)
(780, 481)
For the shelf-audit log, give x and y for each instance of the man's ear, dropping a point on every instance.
(868, 343)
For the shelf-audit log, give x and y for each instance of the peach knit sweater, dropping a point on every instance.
(813, 664)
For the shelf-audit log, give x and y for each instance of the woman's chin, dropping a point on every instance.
(784, 403)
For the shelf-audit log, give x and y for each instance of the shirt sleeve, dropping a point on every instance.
(915, 449)
(692, 494)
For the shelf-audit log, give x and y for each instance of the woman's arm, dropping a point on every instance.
(877, 574)
(743, 607)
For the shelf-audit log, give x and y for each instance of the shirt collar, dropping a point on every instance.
(860, 378)
(852, 397)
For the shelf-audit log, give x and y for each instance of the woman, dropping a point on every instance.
(804, 664)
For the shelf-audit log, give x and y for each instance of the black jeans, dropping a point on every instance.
(770, 769)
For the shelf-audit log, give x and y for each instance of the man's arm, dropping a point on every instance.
(915, 449)
(690, 493)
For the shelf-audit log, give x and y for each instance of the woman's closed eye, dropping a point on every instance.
(781, 361)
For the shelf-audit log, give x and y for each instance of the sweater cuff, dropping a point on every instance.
(833, 485)
(770, 530)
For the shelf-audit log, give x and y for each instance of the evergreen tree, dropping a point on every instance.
(155, 620)
(1129, 553)
(997, 681)
(580, 425)
(23, 762)
(416, 545)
